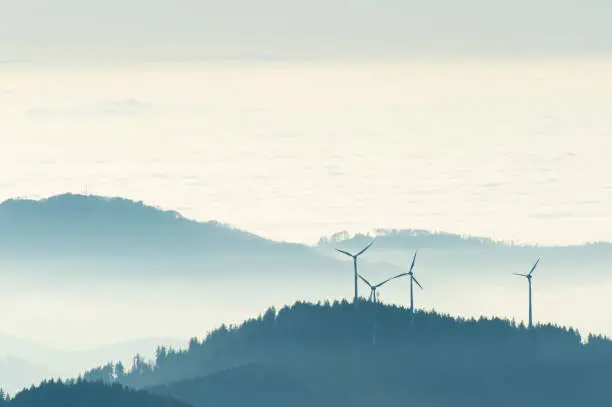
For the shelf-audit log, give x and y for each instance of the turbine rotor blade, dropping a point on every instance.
(414, 259)
(366, 248)
(344, 252)
(534, 266)
(522, 275)
(417, 283)
(365, 281)
(392, 278)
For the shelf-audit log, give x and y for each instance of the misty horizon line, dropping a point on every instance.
(271, 58)
(94, 347)
(323, 239)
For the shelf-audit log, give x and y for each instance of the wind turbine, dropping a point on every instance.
(528, 277)
(373, 288)
(374, 299)
(355, 256)
(412, 281)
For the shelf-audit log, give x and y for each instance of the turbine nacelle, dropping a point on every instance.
(529, 275)
(374, 287)
(354, 257)
(411, 273)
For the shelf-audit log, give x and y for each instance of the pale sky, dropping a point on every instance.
(510, 149)
(161, 29)
(515, 147)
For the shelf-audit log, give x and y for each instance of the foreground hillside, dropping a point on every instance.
(17, 373)
(23, 363)
(84, 394)
(329, 355)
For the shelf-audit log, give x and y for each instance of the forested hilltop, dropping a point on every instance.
(326, 354)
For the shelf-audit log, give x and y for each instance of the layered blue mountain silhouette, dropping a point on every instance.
(313, 354)
(121, 234)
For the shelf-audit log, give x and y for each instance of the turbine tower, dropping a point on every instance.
(373, 288)
(412, 281)
(528, 277)
(355, 256)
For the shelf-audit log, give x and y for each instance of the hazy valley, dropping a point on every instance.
(121, 270)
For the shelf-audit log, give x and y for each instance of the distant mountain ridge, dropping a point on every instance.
(454, 253)
(119, 232)
(421, 238)
(28, 222)
(84, 221)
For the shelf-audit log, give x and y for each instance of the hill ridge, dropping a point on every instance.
(342, 350)
(74, 205)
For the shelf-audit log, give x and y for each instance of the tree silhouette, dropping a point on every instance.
(81, 393)
(4, 398)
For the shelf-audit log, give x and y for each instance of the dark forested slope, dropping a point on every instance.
(87, 394)
(340, 354)
(252, 384)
